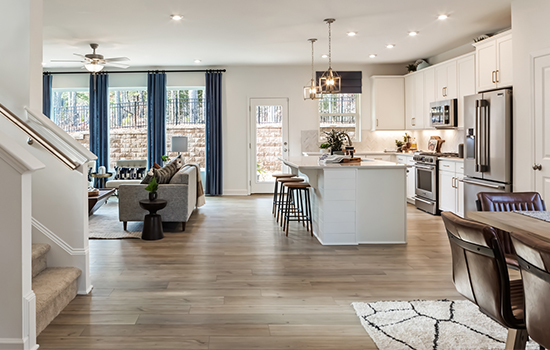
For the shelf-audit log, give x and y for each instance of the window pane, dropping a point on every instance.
(127, 125)
(269, 126)
(71, 112)
(185, 117)
(338, 123)
(338, 103)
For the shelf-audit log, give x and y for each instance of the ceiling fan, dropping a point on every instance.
(94, 62)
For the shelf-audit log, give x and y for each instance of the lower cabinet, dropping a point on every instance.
(411, 174)
(451, 187)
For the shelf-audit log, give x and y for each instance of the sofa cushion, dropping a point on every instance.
(180, 178)
(117, 183)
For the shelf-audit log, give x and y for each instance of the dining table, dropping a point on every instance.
(515, 222)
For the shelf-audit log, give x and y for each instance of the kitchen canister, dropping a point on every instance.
(460, 150)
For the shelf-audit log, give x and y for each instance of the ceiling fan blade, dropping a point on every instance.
(79, 55)
(67, 61)
(117, 59)
(118, 65)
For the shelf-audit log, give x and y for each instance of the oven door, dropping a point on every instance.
(426, 186)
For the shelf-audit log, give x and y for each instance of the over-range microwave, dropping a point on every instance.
(444, 114)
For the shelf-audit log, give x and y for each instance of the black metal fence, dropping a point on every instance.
(72, 118)
(269, 114)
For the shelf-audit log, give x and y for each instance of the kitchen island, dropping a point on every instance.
(356, 203)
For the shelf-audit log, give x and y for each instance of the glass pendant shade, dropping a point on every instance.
(330, 81)
(312, 92)
(94, 67)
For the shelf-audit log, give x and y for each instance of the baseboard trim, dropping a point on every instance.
(16, 344)
(235, 192)
(85, 292)
(57, 240)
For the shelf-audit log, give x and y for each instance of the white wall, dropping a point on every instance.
(531, 33)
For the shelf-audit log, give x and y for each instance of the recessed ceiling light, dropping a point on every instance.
(372, 55)
(177, 17)
(442, 17)
(352, 33)
(197, 61)
(390, 46)
(413, 33)
(324, 56)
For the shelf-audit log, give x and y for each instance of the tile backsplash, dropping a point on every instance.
(378, 141)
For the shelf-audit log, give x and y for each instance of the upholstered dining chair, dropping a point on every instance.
(508, 201)
(534, 261)
(480, 274)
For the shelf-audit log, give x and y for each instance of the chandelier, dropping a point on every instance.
(330, 80)
(312, 92)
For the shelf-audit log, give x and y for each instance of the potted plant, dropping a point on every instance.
(152, 188)
(336, 140)
(165, 159)
(399, 144)
(411, 67)
(324, 147)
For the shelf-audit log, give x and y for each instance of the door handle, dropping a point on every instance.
(453, 184)
(496, 76)
(493, 77)
(376, 121)
(537, 167)
(285, 143)
(422, 200)
(413, 121)
(284, 150)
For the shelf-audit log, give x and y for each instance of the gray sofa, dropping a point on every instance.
(181, 194)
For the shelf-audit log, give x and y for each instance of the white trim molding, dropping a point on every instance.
(235, 193)
(16, 344)
(29, 320)
(57, 240)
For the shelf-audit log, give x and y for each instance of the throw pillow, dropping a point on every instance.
(123, 173)
(165, 174)
(156, 166)
(148, 177)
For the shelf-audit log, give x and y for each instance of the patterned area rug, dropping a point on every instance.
(434, 325)
(104, 224)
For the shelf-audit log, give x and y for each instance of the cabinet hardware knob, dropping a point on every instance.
(537, 167)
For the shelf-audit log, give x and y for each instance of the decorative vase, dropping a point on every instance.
(152, 196)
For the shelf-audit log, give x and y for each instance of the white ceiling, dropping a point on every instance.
(263, 32)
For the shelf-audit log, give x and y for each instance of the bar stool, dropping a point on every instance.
(278, 186)
(302, 205)
(281, 194)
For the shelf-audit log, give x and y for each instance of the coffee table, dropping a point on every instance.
(95, 202)
(152, 224)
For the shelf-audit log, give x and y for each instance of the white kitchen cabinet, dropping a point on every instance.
(388, 102)
(407, 159)
(446, 81)
(429, 95)
(466, 72)
(494, 62)
(414, 101)
(384, 157)
(451, 189)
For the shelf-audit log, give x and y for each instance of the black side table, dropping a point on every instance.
(152, 224)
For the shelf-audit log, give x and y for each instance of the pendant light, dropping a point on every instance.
(312, 92)
(330, 81)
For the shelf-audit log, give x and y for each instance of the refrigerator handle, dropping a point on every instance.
(477, 136)
(481, 136)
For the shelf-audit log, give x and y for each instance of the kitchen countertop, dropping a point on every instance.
(309, 162)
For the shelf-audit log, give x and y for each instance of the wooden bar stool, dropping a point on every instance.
(297, 206)
(278, 187)
(281, 194)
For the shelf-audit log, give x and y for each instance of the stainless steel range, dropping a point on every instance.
(427, 182)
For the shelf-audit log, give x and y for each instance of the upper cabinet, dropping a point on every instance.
(446, 82)
(414, 101)
(494, 62)
(466, 72)
(388, 103)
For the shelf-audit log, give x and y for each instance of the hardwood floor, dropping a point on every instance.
(232, 280)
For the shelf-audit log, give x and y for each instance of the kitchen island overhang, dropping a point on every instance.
(356, 203)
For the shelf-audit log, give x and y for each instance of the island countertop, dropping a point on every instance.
(313, 163)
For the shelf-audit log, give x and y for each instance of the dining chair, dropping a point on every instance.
(534, 261)
(508, 201)
(480, 274)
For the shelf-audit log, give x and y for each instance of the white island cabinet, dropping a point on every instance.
(356, 204)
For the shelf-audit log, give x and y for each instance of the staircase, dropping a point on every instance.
(54, 287)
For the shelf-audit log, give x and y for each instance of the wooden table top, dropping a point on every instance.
(513, 222)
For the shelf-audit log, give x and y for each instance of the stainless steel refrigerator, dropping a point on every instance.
(487, 145)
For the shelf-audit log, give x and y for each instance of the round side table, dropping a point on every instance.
(101, 178)
(152, 224)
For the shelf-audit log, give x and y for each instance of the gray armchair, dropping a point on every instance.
(181, 194)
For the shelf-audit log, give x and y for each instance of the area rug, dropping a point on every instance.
(104, 224)
(431, 324)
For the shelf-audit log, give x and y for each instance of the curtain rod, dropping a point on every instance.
(149, 71)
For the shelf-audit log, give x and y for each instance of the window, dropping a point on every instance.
(185, 117)
(71, 112)
(341, 112)
(127, 124)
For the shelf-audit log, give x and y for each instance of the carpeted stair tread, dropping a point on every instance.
(55, 287)
(52, 282)
(39, 251)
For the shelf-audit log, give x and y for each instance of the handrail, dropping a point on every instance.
(37, 137)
